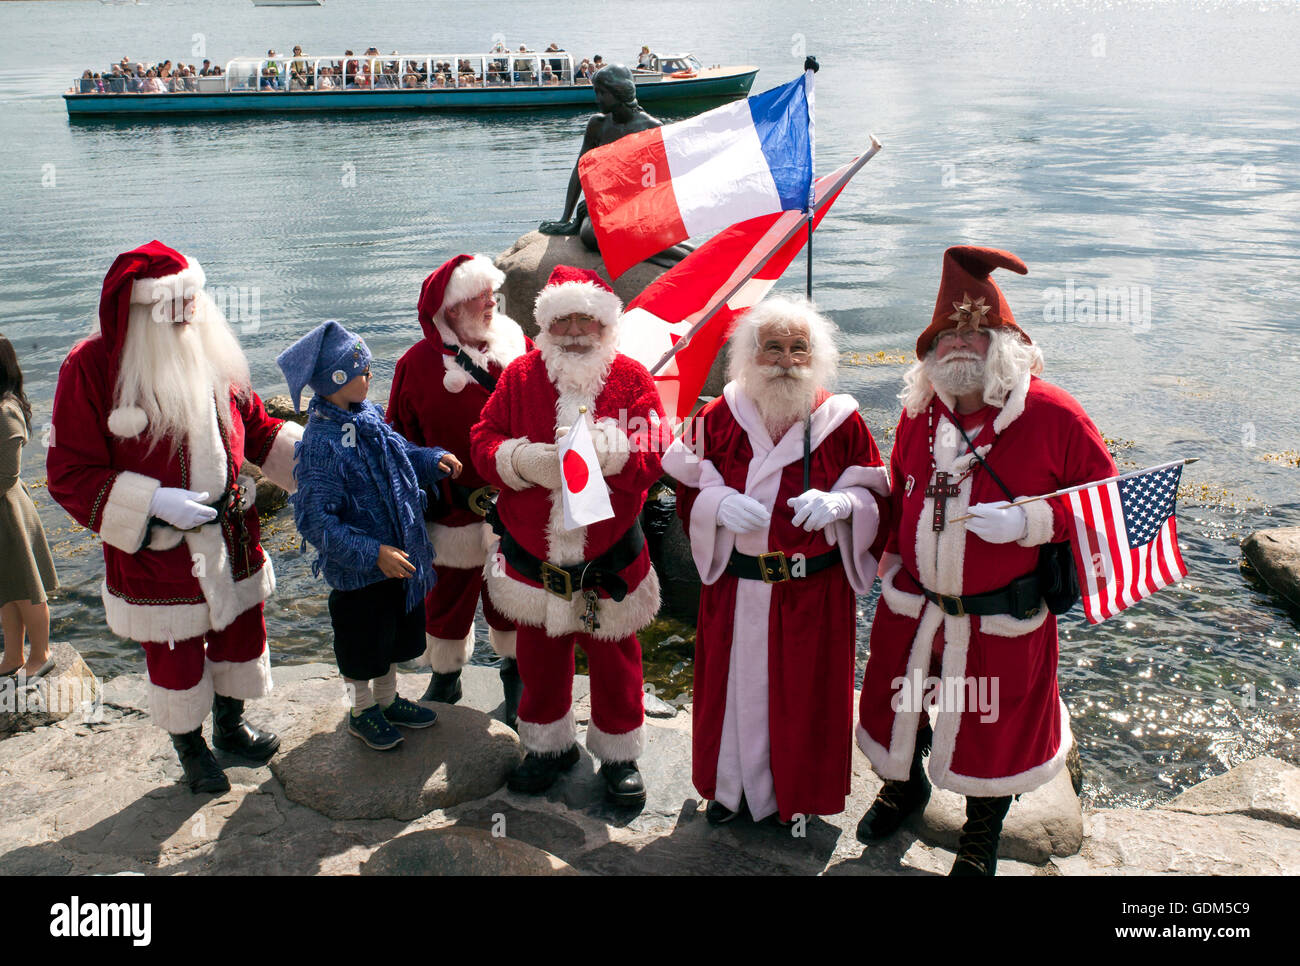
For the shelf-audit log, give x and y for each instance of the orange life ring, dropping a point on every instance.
(682, 73)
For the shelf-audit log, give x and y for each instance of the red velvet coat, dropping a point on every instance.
(1002, 728)
(161, 585)
(522, 410)
(804, 629)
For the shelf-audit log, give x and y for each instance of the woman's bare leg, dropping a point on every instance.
(12, 621)
(36, 618)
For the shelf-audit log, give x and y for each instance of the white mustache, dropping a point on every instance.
(962, 355)
(783, 372)
(574, 339)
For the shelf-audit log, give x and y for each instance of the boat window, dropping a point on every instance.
(694, 63)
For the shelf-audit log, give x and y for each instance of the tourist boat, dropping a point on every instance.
(338, 82)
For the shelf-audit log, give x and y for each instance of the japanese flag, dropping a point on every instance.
(586, 497)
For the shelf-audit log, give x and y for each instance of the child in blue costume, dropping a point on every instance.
(360, 503)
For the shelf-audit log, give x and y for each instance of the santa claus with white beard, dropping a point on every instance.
(592, 586)
(439, 389)
(154, 418)
(963, 643)
(783, 494)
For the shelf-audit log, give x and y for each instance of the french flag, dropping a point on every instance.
(690, 310)
(653, 189)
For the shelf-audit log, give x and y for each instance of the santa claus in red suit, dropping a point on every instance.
(782, 492)
(439, 389)
(592, 586)
(963, 645)
(154, 419)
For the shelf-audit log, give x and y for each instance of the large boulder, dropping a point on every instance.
(1159, 841)
(459, 850)
(69, 690)
(1275, 555)
(1262, 788)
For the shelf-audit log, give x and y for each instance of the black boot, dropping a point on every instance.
(977, 850)
(444, 687)
(623, 783)
(536, 773)
(202, 772)
(898, 799)
(513, 686)
(231, 733)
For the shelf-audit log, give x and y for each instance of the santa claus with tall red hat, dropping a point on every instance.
(964, 641)
(154, 419)
(593, 585)
(439, 389)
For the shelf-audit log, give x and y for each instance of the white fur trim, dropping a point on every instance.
(505, 463)
(469, 278)
(612, 445)
(1025, 781)
(503, 642)
(243, 679)
(464, 547)
(154, 622)
(127, 422)
(126, 511)
(180, 712)
(900, 601)
(444, 655)
(505, 343)
(1004, 625)
(1014, 406)
(226, 597)
(454, 377)
(278, 466)
(628, 746)
(549, 739)
(185, 283)
(556, 301)
(1041, 523)
(533, 606)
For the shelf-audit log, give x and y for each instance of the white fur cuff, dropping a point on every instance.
(126, 512)
(444, 655)
(1041, 523)
(505, 459)
(628, 746)
(503, 642)
(180, 712)
(549, 739)
(612, 446)
(278, 466)
(243, 679)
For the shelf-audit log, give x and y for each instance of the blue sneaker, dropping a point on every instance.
(408, 714)
(373, 728)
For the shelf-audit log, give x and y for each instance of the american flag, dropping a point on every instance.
(1126, 540)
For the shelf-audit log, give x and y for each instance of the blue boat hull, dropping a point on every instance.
(439, 99)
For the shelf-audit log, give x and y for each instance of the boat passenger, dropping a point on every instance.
(645, 60)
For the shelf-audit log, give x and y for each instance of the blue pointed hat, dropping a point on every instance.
(326, 358)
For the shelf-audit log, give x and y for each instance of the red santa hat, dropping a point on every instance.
(150, 274)
(456, 280)
(968, 297)
(571, 290)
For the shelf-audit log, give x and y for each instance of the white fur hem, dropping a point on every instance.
(184, 284)
(243, 679)
(628, 746)
(587, 298)
(505, 463)
(525, 604)
(180, 712)
(1025, 781)
(278, 466)
(549, 739)
(154, 622)
(444, 655)
(1041, 523)
(503, 642)
(465, 547)
(126, 511)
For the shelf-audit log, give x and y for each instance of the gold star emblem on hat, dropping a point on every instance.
(970, 313)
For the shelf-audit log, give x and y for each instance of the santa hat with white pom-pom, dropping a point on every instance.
(459, 279)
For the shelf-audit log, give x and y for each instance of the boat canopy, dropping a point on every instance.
(398, 71)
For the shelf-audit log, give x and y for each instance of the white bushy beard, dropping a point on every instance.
(471, 331)
(958, 373)
(178, 373)
(783, 396)
(1006, 363)
(578, 373)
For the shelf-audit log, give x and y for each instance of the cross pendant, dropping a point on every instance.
(941, 490)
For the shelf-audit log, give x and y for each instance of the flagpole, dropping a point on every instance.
(806, 216)
(810, 67)
(1083, 486)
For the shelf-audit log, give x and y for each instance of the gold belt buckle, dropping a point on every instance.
(557, 581)
(480, 501)
(943, 605)
(773, 567)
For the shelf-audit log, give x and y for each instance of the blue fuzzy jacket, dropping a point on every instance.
(359, 486)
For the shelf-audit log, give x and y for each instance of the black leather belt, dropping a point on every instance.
(562, 581)
(475, 500)
(774, 567)
(1021, 598)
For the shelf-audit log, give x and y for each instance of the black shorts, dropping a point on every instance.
(373, 629)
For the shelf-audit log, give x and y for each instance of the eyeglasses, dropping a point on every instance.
(949, 336)
(774, 353)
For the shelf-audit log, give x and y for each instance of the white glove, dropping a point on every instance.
(815, 509)
(183, 509)
(538, 463)
(742, 514)
(998, 524)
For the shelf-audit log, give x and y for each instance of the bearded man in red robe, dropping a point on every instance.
(783, 493)
(963, 645)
